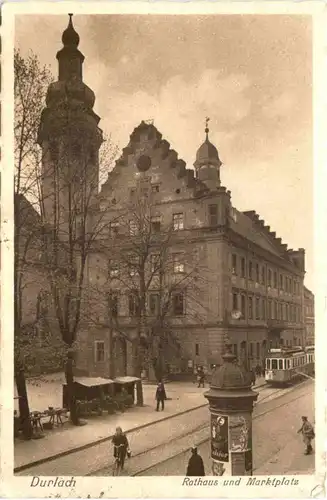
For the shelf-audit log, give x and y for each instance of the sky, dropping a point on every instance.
(251, 74)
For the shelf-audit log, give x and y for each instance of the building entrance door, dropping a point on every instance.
(120, 357)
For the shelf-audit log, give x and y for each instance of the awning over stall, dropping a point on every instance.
(93, 381)
(126, 380)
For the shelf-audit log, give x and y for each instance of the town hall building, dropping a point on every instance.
(228, 278)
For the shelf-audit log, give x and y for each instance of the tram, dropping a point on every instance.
(285, 365)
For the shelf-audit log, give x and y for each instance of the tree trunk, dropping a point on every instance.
(24, 411)
(69, 373)
(137, 370)
(111, 353)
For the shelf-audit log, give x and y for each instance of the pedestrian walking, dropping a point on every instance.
(121, 449)
(200, 377)
(258, 371)
(308, 434)
(195, 465)
(253, 377)
(160, 396)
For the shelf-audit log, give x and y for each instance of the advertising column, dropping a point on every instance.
(220, 445)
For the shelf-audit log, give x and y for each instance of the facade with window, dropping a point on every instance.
(39, 342)
(270, 295)
(239, 265)
(309, 316)
(215, 275)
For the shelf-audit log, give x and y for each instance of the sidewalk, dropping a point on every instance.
(183, 397)
(64, 439)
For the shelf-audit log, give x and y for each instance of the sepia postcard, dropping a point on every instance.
(163, 235)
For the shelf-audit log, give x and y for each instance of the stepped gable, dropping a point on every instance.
(148, 136)
(249, 225)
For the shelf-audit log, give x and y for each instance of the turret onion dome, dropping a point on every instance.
(207, 152)
(69, 37)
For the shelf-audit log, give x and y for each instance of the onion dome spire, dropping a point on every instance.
(207, 164)
(69, 37)
(207, 152)
(69, 57)
(207, 129)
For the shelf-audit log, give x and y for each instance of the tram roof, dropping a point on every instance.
(285, 353)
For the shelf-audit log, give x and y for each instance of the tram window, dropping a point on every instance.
(268, 364)
(288, 363)
(274, 364)
(280, 364)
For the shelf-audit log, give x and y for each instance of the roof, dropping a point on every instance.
(206, 151)
(126, 380)
(243, 225)
(28, 215)
(93, 381)
(150, 134)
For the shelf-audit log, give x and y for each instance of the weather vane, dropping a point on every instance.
(207, 126)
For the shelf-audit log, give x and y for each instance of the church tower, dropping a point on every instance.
(207, 164)
(70, 140)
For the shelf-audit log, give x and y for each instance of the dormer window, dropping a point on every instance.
(213, 215)
(234, 263)
(178, 264)
(155, 188)
(178, 221)
(113, 269)
(156, 223)
(113, 228)
(133, 228)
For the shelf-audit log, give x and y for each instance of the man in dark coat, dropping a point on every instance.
(160, 396)
(195, 465)
(308, 434)
(200, 377)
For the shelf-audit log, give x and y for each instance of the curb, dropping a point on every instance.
(100, 441)
(107, 438)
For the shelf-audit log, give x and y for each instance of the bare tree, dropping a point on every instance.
(157, 273)
(30, 85)
(61, 183)
(72, 225)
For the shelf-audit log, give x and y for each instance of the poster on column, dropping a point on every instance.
(240, 428)
(219, 438)
(221, 468)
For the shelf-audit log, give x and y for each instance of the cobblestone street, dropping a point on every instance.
(278, 449)
(166, 441)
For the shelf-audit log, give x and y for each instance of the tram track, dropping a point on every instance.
(173, 433)
(199, 435)
(207, 427)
